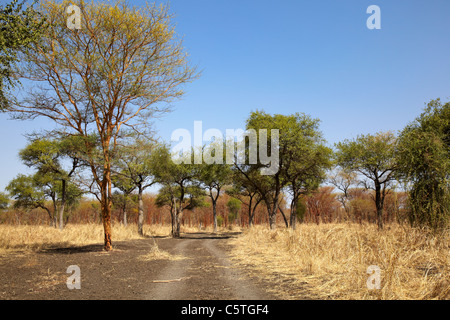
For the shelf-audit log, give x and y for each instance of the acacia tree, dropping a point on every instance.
(342, 181)
(32, 192)
(214, 176)
(135, 162)
(179, 185)
(118, 70)
(179, 198)
(373, 158)
(48, 156)
(303, 158)
(269, 186)
(424, 160)
(244, 190)
(126, 186)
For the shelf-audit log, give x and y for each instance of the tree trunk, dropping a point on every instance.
(215, 215)
(284, 217)
(177, 220)
(63, 205)
(173, 210)
(273, 216)
(379, 205)
(125, 220)
(250, 215)
(54, 218)
(272, 221)
(293, 217)
(106, 202)
(106, 217)
(141, 214)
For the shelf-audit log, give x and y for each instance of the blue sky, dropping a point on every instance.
(316, 57)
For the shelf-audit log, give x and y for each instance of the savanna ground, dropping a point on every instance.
(327, 261)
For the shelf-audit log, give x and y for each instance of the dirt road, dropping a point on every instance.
(205, 273)
(202, 272)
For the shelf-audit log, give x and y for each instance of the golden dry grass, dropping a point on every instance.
(332, 259)
(34, 238)
(38, 237)
(156, 253)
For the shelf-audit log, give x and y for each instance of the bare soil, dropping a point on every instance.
(205, 272)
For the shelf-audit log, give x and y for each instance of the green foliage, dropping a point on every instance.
(134, 164)
(373, 158)
(369, 155)
(179, 188)
(214, 175)
(29, 191)
(424, 160)
(233, 205)
(33, 191)
(4, 201)
(219, 221)
(19, 28)
(121, 200)
(300, 208)
(49, 155)
(190, 197)
(303, 157)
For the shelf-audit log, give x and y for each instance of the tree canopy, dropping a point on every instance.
(424, 160)
(19, 29)
(372, 157)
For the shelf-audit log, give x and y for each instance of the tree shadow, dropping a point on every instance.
(73, 249)
(206, 235)
(149, 236)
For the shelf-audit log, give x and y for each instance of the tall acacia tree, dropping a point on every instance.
(121, 68)
(303, 158)
(372, 157)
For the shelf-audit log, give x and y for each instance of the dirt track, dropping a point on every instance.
(204, 273)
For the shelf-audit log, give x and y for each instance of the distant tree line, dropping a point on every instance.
(369, 178)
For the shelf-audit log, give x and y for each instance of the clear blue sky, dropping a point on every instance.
(316, 57)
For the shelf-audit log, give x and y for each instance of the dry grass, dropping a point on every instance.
(332, 259)
(156, 253)
(34, 238)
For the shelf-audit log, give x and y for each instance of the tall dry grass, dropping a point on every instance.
(34, 238)
(330, 260)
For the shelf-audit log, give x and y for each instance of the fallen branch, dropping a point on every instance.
(173, 280)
